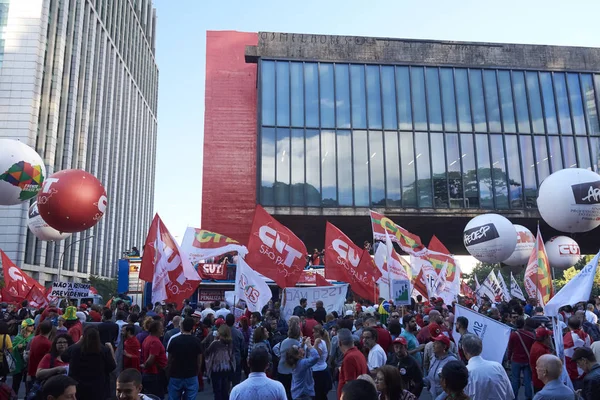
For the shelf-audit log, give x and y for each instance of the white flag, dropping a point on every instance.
(576, 290)
(477, 288)
(251, 287)
(505, 292)
(491, 288)
(440, 282)
(515, 289)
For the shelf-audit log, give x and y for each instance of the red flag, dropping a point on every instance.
(274, 250)
(436, 245)
(346, 262)
(93, 290)
(467, 291)
(320, 281)
(419, 285)
(17, 283)
(172, 275)
(37, 298)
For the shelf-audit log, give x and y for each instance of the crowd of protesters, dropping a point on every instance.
(371, 351)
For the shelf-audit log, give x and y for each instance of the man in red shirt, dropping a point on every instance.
(131, 348)
(309, 323)
(542, 345)
(39, 347)
(155, 360)
(354, 363)
(519, 343)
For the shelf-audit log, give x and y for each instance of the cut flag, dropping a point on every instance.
(17, 284)
(251, 287)
(201, 245)
(173, 277)
(538, 279)
(515, 289)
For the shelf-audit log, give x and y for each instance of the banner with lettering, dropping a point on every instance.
(333, 298)
(274, 250)
(382, 226)
(515, 289)
(200, 245)
(492, 333)
(70, 290)
(212, 271)
(491, 288)
(538, 278)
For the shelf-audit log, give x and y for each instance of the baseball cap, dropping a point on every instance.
(27, 322)
(442, 338)
(400, 340)
(434, 329)
(219, 322)
(541, 333)
(582, 352)
(197, 314)
(83, 306)
(349, 313)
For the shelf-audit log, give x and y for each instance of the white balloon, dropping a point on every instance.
(41, 229)
(22, 172)
(569, 200)
(563, 252)
(490, 238)
(525, 245)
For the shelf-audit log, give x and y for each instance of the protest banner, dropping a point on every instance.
(212, 271)
(493, 334)
(71, 290)
(200, 245)
(333, 298)
(401, 290)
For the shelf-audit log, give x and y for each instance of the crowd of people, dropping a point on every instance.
(365, 352)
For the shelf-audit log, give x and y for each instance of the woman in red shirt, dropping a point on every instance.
(51, 364)
(131, 348)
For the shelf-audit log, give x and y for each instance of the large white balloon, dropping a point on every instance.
(563, 252)
(22, 172)
(569, 200)
(525, 245)
(490, 238)
(40, 228)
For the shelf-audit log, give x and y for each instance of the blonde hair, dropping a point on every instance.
(324, 335)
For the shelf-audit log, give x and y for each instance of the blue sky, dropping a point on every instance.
(181, 48)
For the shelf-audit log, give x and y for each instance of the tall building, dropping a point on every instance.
(79, 83)
(429, 133)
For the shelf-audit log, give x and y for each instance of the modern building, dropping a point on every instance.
(430, 133)
(79, 82)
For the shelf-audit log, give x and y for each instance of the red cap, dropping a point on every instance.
(434, 329)
(400, 340)
(219, 322)
(442, 338)
(541, 333)
(83, 306)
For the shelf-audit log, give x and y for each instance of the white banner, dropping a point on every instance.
(491, 288)
(515, 289)
(251, 287)
(492, 333)
(70, 289)
(333, 298)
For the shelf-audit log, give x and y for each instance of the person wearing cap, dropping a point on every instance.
(585, 360)
(487, 379)
(410, 371)
(441, 356)
(19, 344)
(542, 345)
(73, 324)
(549, 369)
(435, 330)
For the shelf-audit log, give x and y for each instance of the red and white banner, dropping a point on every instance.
(274, 250)
(164, 264)
(17, 284)
(213, 271)
(251, 287)
(313, 277)
(200, 245)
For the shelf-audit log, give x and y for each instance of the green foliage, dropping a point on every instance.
(570, 273)
(107, 288)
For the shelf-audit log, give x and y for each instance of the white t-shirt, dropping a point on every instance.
(377, 358)
(322, 363)
(591, 317)
(207, 311)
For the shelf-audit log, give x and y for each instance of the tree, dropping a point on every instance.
(107, 288)
(570, 273)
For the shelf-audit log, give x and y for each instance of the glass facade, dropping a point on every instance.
(355, 135)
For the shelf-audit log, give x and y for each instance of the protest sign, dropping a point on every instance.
(212, 271)
(70, 289)
(493, 334)
(333, 298)
(401, 291)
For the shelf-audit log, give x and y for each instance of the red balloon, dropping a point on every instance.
(72, 200)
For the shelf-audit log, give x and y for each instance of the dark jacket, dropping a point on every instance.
(412, 377)
(591, 383)
(320, 315)
(592, 330)
(299, 311)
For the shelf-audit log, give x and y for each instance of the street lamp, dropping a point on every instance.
(62, 256)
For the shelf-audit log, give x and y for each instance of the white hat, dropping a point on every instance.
(197, 313)
(81, 315)
(349, 313)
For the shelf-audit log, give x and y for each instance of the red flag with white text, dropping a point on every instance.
(274, 250)
(17, 284)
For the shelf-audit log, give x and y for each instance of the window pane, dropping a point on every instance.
(268, 92)
(361, 169)
(438, 165)
(499, 172)
(374, 96)
(327, 97)
(569, 152)
(484, 172)
(328, 169)
(477, 100)
(283, 93)
(297, 167)
(311, 90)
(462, 94)
(455, 186)
(576, 103)
(423, 169)
(342, 95)
(388, 87)
(358, 93)
(491, 100)
(282, 186)
(392, 170)
(344, 168)
(506, 98)
(267, 169)
(407, 156)
(433, 99)
(554, 153)
(313, 168)
(376, 168)
(562, 100)
(521, 101)
(515, 187)
(529, 184)
(594, 147)
(447, 78)
(535, 102)
(541, 155)
(583, 152)
(297, 80)
(469, 172)
(403, 93)
(591, 113)
(418, 95)
(549, 105)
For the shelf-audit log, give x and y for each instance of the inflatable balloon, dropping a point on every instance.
(525, 245)
(490, 238)
(569, 200)
(22, 172)
(40, 228)
(563, 252)
(72, 200)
